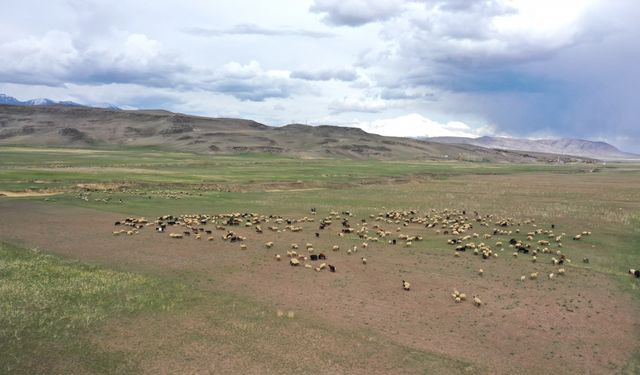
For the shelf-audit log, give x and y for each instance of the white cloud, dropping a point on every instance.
(352, 104)
(416, 125)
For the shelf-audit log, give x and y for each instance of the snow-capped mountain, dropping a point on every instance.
(10, 100)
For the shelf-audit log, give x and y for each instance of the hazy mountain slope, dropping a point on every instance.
(563, 146)
(83, 127)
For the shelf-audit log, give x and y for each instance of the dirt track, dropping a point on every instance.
(573, 324)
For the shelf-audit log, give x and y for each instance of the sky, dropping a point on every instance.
(521, 68)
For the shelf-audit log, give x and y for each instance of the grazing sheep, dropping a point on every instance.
(313, 257)
(406, 285)
(635, 273)
(364, 260)
(209, 238)
(523, 278)
(533, 276)
(278, 257)
(577, 237)
(294, 262)
(243, 247)
(322, 266)
(477, 301)
(480, 272)
(534, 258)
(294, 246)
(335, 248)
(175, 235)
(332, 268)
(322, 256)
(268, 245)
(585, 260)
(307, 265)
(561, 271)
(551, 275)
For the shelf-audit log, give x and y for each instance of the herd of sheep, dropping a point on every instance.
(392, 228)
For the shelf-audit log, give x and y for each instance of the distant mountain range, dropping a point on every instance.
(54, 122)
(41, 102)
(73, 126)
(562, 146)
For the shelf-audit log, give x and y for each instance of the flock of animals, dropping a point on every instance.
(392, 228)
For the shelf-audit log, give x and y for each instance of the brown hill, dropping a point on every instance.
(65, 126)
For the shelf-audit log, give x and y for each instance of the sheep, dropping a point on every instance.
(313, 257)
(477, 301)
(533, 276)
(335, 248)
(278, 257)
(321, 256)
(523, 278)
(294, 262)
(534, 258)
(309, 245)
(408, 244)
(561, 271)
(406, 285)
(515, 255)
(551, 275)
(585, 260)
(364, 260)
(175, 235)
(209, 238)
(243, 247)
(635, 273)
(332, 268)
(322, 266)
(480, 272)
(294, 246)
(364, 245)
(307, 265)
(198, 237)
(577, 237)
(268, 245)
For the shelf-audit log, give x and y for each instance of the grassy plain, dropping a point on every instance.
(95, 307)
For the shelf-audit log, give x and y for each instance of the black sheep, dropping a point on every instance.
(322, 256)
(313, 257)
(332, 268)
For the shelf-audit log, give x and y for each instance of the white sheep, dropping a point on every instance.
(406, 285)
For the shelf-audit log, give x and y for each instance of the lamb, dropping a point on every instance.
(406, 285)
(477, 301)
